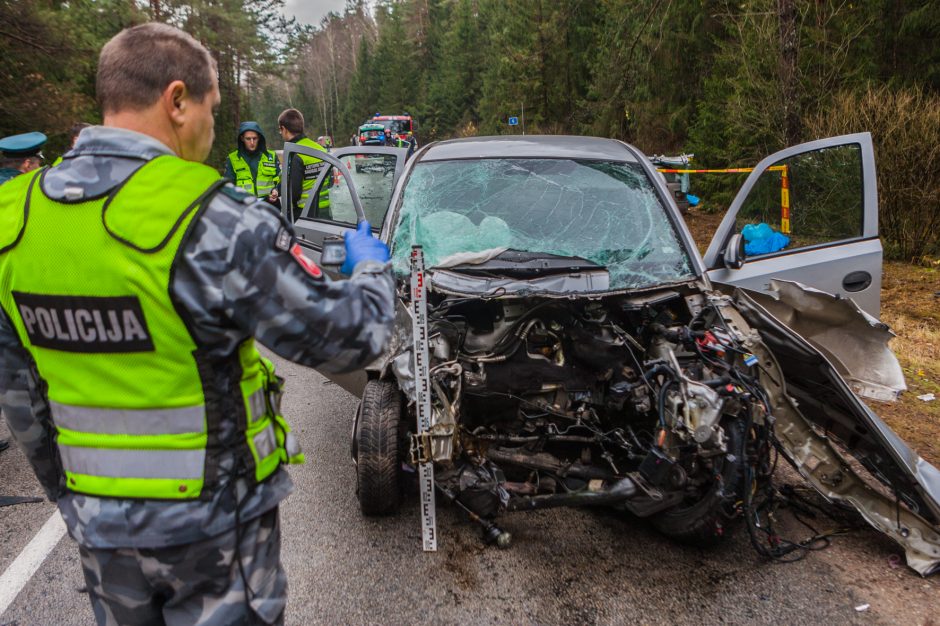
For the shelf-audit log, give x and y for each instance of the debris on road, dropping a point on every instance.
(861, 608)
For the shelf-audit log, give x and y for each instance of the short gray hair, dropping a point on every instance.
(139, 62)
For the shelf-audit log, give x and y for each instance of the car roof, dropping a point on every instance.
(530, 146)
(392, 117)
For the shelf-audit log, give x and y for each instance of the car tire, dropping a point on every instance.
(707, 521)
(378, 465)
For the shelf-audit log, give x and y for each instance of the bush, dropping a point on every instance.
(905, 129)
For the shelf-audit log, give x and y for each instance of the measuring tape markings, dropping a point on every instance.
(419, 309)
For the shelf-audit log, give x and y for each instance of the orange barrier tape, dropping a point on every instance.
(730, 170)
(784, 201)
(784, 186)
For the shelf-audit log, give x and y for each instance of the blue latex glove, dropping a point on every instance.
(362, 246)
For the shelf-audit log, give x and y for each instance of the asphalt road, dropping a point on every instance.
(565, 566)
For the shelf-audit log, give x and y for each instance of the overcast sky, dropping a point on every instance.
(312, 11)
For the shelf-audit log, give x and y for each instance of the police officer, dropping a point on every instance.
(252, 166)
(20, 154)
(326, 142)
(303, 170)
(130, 375)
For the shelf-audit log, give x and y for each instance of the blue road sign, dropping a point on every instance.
(513, 121)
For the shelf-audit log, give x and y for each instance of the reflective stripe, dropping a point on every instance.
(256, 405)
(291, 445)
(265, 442)
(189, 419)
(180, 464)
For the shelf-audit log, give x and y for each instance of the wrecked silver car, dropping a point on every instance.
(560, 343)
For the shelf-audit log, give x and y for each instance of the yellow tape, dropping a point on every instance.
(731, 170)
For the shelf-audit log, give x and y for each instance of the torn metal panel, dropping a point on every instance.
(854, 342)
(797, 406)
(399, 356)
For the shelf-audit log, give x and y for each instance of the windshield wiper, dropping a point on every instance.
(528, 264)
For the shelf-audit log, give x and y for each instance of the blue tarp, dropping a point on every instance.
(762, 239)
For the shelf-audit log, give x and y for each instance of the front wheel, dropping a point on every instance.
(704, 517)
(378, 466)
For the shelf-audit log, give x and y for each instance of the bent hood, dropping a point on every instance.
(262, 143)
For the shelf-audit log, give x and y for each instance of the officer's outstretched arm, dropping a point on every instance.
(243, 267)
(26, 412)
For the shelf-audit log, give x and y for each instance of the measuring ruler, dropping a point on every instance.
(419, 320)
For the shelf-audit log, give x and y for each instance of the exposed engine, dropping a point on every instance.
(645, 402)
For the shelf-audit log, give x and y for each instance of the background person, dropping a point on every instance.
(74, 132)
(20, 154)
(303, 170)
(252, 166)
(149, 415)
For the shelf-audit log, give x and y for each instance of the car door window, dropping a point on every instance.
(374, 177)
(810, 199)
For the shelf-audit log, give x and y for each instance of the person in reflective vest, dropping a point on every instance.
(303, 170)
(252, 166)
(131, 380)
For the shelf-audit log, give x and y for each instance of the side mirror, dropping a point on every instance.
(733, 255)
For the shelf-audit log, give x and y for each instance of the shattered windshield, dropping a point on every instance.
(603, 211)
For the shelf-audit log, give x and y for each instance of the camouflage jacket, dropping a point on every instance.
(234, 282)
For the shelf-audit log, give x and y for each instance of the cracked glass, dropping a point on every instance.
(603, 211)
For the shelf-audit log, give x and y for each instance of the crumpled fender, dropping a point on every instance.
(854, 342)
(812, 401)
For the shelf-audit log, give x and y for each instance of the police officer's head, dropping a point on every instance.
(158, 80)
(23, 164)
(290, 123)
(22, 152)
(251, 139)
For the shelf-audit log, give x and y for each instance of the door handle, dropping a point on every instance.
(856, 281)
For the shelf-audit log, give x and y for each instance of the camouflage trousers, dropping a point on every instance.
(197, 583)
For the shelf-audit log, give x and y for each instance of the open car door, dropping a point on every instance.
(368, 177)
(353, 183)
(817, 204)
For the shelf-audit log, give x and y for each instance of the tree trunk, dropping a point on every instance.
(543, 62)
(789, 81)
(236, 91)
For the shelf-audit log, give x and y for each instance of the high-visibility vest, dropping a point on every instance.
(312, 168)
(267, 178)
(139, 406)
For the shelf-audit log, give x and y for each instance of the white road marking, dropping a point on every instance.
(29, 560)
